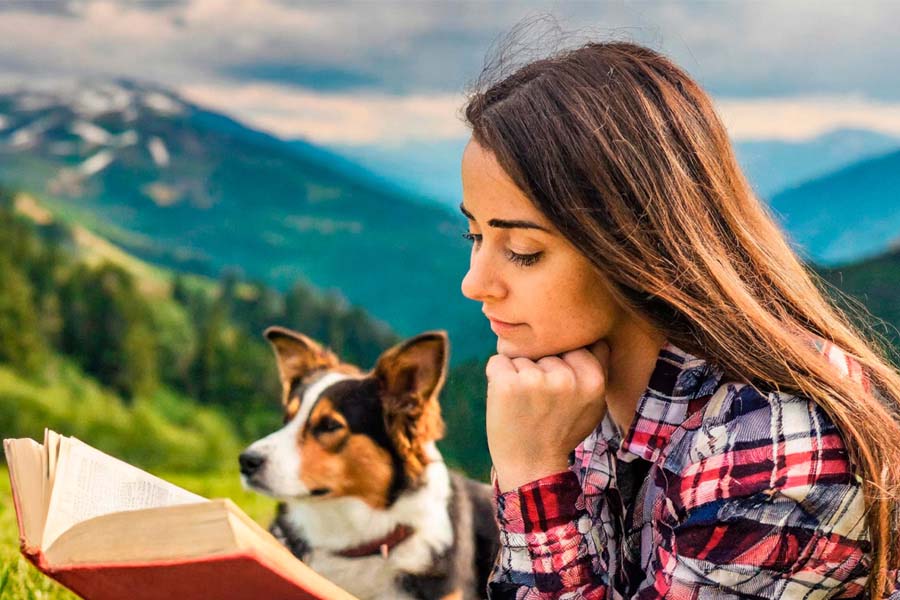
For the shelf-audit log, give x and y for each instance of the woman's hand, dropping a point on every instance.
(538, 412)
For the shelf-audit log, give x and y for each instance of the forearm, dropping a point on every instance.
(547, 551)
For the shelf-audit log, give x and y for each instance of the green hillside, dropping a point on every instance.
(875, 284)
(182, 187)
(154, 339)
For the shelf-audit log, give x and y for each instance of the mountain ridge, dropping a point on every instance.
(198, 191)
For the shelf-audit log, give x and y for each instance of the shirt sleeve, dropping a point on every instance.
(544, 547)
(557, 533)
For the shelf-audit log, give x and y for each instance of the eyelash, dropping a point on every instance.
(525, 260)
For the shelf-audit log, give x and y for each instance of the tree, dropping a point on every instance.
(21, 344)
(108, 328)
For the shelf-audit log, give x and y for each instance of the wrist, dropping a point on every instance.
(512, 478)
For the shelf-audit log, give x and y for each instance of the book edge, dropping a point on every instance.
(24, 546)
(277, 558)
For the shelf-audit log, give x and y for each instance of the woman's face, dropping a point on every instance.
(524, 272)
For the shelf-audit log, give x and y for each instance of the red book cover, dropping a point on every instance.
(230, 577)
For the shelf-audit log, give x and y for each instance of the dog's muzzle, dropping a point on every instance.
(251, 462)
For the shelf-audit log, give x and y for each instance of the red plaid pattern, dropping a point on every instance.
(715, 491)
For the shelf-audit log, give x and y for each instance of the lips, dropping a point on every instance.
(502, 327)
(498, 321)
(502, 323)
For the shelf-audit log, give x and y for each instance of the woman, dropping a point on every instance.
(674, 409)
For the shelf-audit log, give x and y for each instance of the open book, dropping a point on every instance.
(108, 530)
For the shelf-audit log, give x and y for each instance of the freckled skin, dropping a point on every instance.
(561, 301)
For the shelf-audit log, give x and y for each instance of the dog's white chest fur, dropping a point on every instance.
(347, 522)
(368, 578)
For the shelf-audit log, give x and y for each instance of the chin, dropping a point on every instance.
(536, 352)
(514, 350)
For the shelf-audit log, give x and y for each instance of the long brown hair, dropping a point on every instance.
(625, 155)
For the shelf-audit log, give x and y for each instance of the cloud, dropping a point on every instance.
(805, 117)
(356, 118)
(392, 71)
(735, 49)
(306, 76)
(368, 117)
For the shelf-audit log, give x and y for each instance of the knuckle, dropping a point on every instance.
(530, 377)
(502, 384)
(594, 380)
(494, 365)
(560, 380)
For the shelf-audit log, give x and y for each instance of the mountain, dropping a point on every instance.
(846, 215)
(774, 165)
(431, 168)
(191, 189)
(425, 167)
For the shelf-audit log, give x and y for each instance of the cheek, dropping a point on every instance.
(567, 300)
(361, 468)
(567, 313)
(319, 466)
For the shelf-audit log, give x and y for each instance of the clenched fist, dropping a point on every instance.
(538, 412)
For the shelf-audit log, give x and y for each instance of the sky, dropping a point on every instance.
(383, 72)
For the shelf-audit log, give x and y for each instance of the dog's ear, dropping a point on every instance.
(411, 375)
(297, 355)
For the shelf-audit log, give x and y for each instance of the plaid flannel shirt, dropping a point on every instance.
(715, 491)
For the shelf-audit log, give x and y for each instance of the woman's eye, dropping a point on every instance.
(525, 260)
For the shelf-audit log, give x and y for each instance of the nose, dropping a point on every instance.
(251, 462)
(480, 282)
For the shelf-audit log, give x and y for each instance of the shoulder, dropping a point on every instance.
(747, 441)
(762, 480)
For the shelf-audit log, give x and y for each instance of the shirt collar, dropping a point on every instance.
(680, 385)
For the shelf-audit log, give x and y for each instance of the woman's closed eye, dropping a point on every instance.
(525, 260)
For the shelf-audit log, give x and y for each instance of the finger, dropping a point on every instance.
(524, 364)
(498, 364)
(552, 363)
(589, 371)
(579, 358)
(557, 373)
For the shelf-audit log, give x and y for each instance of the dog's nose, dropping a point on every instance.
(250, 462)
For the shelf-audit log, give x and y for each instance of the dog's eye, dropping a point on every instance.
(327, 425)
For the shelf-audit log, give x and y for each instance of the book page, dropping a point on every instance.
(48, 464)
(89, 483)
(24, 460)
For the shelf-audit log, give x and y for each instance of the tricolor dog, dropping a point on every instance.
(365, 497)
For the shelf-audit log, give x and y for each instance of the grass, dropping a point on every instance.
(163, 432)
(20, 580)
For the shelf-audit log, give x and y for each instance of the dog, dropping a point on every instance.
(365, 498)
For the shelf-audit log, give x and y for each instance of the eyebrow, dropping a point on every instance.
(505, 224)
